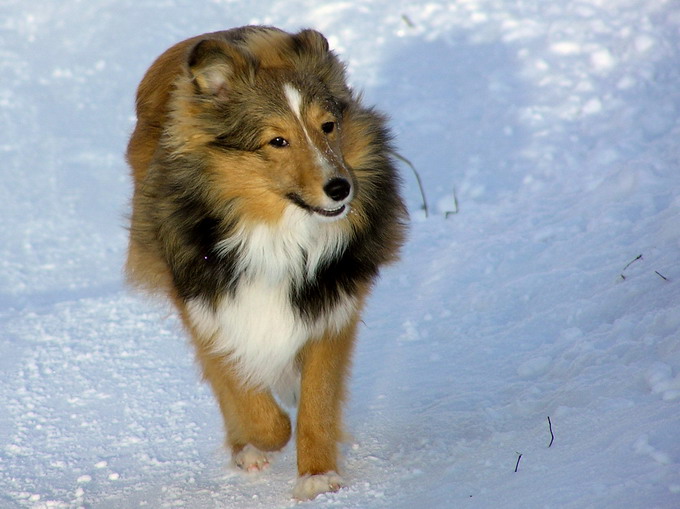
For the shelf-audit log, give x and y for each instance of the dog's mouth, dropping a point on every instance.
(330, 213)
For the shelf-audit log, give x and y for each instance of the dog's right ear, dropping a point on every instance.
(213, 64)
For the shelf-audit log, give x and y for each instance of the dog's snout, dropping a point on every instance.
(337, 188)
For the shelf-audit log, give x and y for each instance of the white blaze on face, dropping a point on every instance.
(329, 164)
(294, 99)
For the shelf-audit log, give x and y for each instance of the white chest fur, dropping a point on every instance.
(259, 328)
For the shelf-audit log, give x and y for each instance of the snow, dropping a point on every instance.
(549, 131)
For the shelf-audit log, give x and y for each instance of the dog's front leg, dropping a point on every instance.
(324, 365)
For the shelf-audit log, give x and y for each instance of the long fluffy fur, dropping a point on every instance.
(265, 202)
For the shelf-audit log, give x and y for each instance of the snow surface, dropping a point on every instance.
(549, 129)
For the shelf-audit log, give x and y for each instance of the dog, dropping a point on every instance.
(265, 202)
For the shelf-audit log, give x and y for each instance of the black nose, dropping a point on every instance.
(337, 188)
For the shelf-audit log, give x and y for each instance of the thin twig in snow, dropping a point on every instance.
(661, 275)
(408, 21)
(552, 435)
(518, 460)
(638, 257)
(420, 184)
(455, 206)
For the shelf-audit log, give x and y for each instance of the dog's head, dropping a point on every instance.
(267, 109)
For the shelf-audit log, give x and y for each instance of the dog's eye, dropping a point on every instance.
(328, 127)
(279, 142)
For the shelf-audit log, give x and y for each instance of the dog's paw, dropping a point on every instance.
(309, 486)
(251, 459)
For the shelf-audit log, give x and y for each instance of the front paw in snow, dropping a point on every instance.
(251, 459)
(309, 486)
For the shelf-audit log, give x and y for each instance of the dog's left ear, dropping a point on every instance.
(311, 42)
(213, 64)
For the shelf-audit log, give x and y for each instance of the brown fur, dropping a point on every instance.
(203, 173)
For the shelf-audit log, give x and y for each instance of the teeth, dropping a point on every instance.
(331, 212)
(297, 200)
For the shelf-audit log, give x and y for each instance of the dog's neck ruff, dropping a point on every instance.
(258, 326)
(292, 250)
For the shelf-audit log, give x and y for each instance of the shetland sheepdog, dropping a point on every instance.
(265, 202)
